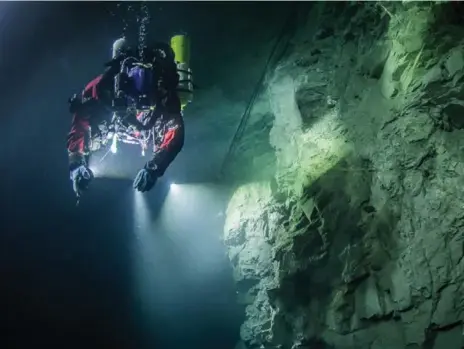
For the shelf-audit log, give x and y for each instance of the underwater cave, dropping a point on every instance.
(316, 201)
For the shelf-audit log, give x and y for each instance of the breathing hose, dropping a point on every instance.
(246, 115)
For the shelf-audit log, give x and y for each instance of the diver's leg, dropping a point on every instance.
(171, 127)
(79, 137)
(78, 141)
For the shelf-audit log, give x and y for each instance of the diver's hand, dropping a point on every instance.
(145, 180)
(81, 178)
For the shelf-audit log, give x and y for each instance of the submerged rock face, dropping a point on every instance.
(357, 240)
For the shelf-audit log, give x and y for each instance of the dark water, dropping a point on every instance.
(91, 276)
(117, 272)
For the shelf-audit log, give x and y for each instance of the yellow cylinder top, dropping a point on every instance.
(180, 44)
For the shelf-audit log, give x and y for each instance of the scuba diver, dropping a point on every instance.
(138, 99)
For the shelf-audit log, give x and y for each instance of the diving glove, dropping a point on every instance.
(145, 179)
(81, 178)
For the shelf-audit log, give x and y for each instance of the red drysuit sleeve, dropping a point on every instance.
(78, 138)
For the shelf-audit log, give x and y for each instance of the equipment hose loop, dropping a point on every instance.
(244, 119)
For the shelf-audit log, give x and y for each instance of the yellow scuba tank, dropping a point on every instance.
(180, 44)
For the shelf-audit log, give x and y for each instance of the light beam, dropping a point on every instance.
(114, 144)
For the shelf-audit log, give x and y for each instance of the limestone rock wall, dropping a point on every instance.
(357, 242)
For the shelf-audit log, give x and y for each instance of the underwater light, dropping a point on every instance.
(114, 144)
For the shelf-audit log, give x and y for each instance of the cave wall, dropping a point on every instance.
(357, 241)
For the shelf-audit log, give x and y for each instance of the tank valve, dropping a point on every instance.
(180, 44)
(118, 46)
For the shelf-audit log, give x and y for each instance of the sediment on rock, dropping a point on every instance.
(357, 241)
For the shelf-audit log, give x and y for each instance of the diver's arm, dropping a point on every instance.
(78, 155)
(76, 142)
(83, 109)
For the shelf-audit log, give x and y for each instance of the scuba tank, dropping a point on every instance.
(134, 82)
(138, 77)
(142, 86)
(180, 44)
(133, 90)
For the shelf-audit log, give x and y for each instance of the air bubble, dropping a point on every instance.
(143, 19)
